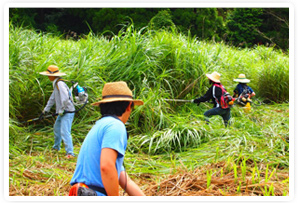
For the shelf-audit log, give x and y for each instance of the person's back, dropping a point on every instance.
(100, 162)
(215, 93)
(108, 132)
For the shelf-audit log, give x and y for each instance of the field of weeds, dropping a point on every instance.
(171, 151)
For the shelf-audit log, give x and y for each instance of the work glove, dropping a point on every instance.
(41, 115)
(196, 101)
(61, 113)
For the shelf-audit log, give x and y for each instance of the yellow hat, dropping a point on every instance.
(242, 79)
(215, 76)
(52, 71)
(117, 91)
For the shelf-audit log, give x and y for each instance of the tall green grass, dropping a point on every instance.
(156, 65)
(163, 135)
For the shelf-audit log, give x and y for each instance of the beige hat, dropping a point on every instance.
(242, 79)
(215, 76)
(52, 71)
(117, 91)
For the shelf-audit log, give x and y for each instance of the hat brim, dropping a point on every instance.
(54, 74)
(211, 78)
(242, 80)
(136, 102)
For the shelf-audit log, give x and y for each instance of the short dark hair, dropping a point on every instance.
(114, 108)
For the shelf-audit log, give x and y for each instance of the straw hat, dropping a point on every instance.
(215, 76)
(52, 71)
(242, 79)
(117, 91)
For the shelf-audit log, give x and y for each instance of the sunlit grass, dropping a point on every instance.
(164, 136)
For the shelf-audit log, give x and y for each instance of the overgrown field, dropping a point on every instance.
(171, 150)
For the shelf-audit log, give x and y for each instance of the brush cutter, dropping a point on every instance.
(246, 102)
(243, 99)
(180, 100)
(81, 98)
(40, 118)
(55, 114)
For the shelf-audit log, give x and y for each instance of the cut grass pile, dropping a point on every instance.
(219, 179)
(48, 174)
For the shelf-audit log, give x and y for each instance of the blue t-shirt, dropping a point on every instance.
(108, 132)
(240, 87)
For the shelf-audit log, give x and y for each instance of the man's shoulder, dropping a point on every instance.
(110, 121)
(218, 86)
(106, 124)
(250, 88)
(60, 82)
(239, 86)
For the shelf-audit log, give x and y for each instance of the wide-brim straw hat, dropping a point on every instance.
(242, 79)
(52, 71)
(215, 76)
(117, 91)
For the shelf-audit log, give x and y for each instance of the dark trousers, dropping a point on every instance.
(224, 113)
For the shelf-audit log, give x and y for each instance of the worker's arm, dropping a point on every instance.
(109, 172)
(206, 97)
(235, 93)
(129, 185)
(252, 94)
(50, 103)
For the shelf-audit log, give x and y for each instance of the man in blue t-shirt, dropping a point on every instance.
(242, 85)
(100, 161)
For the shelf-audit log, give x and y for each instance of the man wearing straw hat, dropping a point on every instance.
(215, 93)
(61, 96)
(242, 85)
(100, 161)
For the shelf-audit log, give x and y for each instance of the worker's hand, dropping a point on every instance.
(196, 101)
(41, 115)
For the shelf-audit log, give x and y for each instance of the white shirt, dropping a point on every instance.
(61, 96)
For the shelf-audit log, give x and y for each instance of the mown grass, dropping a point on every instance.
(48, 174)
(238, 162)
(164, 136)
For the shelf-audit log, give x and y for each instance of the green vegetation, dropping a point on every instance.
(248, 21)
(165, 137)
(241, 27)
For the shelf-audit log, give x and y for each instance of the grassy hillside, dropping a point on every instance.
(165, 137)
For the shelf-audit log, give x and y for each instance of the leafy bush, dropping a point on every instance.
(242, 24)
(162, 19)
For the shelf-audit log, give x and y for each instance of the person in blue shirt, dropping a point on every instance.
(242, 85)
(100, 161)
